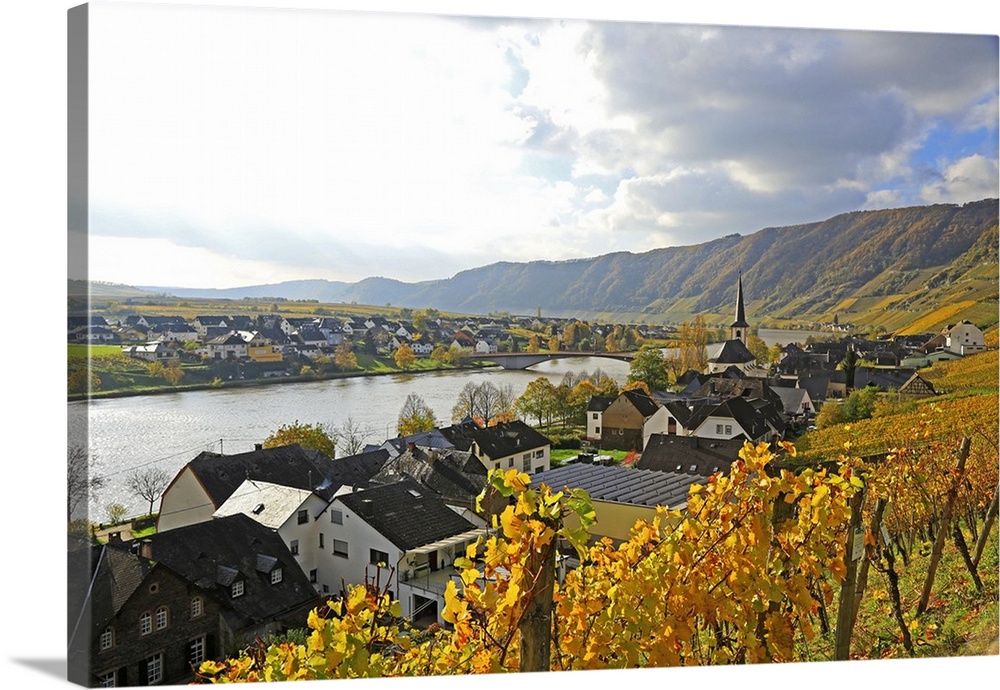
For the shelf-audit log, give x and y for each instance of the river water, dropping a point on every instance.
(169, 430)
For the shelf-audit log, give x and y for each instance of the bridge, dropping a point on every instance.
(526, 360)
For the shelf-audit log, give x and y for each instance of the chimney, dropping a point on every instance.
(412, 446)
(258, 446)
(146, 549)
(432, 456)
(366, 508)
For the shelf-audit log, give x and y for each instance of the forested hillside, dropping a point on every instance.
(926, 265)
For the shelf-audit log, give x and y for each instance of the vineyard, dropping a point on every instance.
(784, 558)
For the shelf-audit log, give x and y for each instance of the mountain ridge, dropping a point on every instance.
(855, 255)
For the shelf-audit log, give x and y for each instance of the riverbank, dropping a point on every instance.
(271, 380)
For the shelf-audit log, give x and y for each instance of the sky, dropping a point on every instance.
(234, 146)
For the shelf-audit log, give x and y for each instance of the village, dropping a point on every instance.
(246, 545)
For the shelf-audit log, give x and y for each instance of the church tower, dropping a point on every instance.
(740, 328)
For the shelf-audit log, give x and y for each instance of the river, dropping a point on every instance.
(168, 430)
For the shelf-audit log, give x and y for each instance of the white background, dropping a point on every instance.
(33, 115)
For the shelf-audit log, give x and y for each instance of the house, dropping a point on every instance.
(734, 351)
(511, 444)
(620, 495)
(402, 536)
(689, 454)
(207, 481)
(629, 420)
(736, 418)
(151, 352)
(227, 346)
(154, 610)
(93, 334)
(458, 477)
(964, 338)
(139, 622)
(595, 409)
(291, 513)
(203, 323)
(795, 401)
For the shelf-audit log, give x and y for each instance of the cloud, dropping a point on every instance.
(968, 179)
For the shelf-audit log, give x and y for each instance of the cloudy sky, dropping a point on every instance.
(242, 146)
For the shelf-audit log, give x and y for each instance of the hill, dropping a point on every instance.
(918, 267)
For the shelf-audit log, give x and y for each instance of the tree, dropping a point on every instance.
(148, 483)
(849, 364)
(315, 436)
(415, 416)
(116, 512)
(693, 341)
(83, 381)
(404, 356)
(860, 404)
(351, 436)
(81, 480)
(485, 401)
(538, 399)
(440, 354)
(173, 373)
(650, 367)
(533, 343)
(758, 348)
(344, 357)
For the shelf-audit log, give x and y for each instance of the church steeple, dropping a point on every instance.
(740, 327)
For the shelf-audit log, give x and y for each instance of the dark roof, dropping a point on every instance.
(883, 379)
(741, 317)
(406, 514)
(599, 403)
(508, 438)
(646, 406)
(452, 474)
(669, 453)
(733, 352)
(213, 554)
(114, 575)
(292, 465)
(619, 484)
(753, 421)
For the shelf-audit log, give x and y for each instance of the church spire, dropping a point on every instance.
(740, 326)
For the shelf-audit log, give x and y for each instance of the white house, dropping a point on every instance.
(511, 444)
(964, 338)
(293, 514)
(400, 535)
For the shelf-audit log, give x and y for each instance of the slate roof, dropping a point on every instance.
(599, 403)
(688, 454)
(291, 465)
(508, 438)
(452, 474)
(406, 514)
(883, 379)
(618, 484)
(114, 575)
(213, 554)
(753, 422)
(791, 398)
(733, 352)
(646, 406)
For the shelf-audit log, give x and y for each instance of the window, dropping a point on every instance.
(154, 668)
(276, 576)
(237, 589)
(597, 430)
(294, 548)
(321, 538)
(375, 557)
(539, 453)
(337, 517)
(729, 428)
(526, 463)
(303, 516)
(197, 651)
(107, 680)
(197, 606)
(312, 575)
(718, 428)
(145, 623)
(510, 463)
(339, 548)
(594, 416)
(107, 639)
(162, 617)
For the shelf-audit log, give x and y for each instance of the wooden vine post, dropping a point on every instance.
(963, 455)
(991, 516)
(536, 625)
(845, 610)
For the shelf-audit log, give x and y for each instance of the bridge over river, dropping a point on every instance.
(525, 360)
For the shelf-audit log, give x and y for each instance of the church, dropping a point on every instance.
(734, 352)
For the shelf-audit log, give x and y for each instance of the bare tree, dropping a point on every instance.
(350, 437)
(485, 401)
(148, 483)
(80, 481)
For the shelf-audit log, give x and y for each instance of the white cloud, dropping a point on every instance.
(968, 179)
